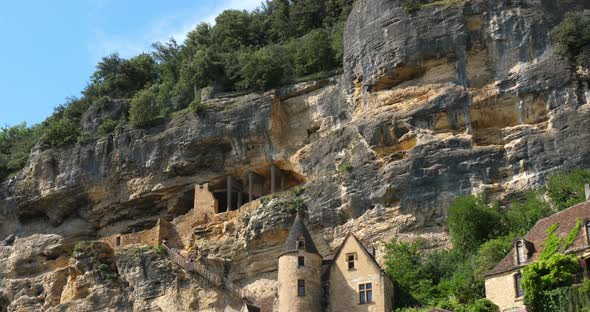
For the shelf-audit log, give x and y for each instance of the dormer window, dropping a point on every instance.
(520, 252)
(301, 244)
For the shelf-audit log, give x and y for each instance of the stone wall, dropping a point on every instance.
(290, 272)
(344, 283)
(206, 206)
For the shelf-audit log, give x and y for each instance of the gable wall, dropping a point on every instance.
(344, 283)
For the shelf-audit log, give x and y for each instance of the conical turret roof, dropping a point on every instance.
(298, 230)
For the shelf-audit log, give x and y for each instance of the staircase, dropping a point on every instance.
(215, 279)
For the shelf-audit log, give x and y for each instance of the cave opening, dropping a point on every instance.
(253, 184)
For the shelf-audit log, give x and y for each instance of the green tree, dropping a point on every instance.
(524, 214)
(16, 143)
(144, 109)
(471, 222)
(278, 21)
(234, 29)
(117, 77)
(566, 189)
(307, 15)
(62, 132)
(572, 38)
(313, 53)
(263, 69)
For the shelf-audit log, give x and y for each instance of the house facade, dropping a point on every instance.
(351, 281)
(503, 283)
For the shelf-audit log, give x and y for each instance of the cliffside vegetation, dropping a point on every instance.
(572, 39)
(280, 42)
(482, 235)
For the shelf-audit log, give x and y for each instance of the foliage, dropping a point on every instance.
(120, 78)
(524, 214)
(143, 111)
(567, 299)
(313, 53)
(345, 166)
(296, 204)
(471, 222)
(554, 243)
(572, 38)
(556, 271)
(15, 145)
(263, 69)
(107, 126)
(411, 6)
(482, 305)
(566, 188)
(62, 132)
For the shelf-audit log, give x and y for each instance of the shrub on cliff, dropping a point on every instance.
(566, 188)
(572, 38)
(15, 145)
(144, 110)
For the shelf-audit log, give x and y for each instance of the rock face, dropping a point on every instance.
(451, 100)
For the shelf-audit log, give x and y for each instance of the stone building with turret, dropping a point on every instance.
(351, 281)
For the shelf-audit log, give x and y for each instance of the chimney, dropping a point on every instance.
(587, 191)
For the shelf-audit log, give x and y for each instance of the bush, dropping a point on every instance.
(15, 145)
(524, 214)
(144, 110)
(345, 166)
(566, 189)
(471, 222)
(482, 305)
(263, 69)
(313, 53)
(107, 126)
(572, 37)
(62, 132)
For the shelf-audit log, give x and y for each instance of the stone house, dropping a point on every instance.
(351, 281)
(503, 285)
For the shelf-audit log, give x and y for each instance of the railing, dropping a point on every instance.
(199, 268)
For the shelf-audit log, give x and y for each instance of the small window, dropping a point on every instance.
(350, 258)
(518, 286)
(588, 231)
(118, 241)
(520, 253)
(365, 293)
(300, 288)
(301, 244)
(301, 261)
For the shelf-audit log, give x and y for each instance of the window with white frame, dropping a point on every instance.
(365, 293)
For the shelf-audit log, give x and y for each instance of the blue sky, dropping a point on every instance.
(50, 48)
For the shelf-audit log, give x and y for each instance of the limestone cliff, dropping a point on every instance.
(453, 99)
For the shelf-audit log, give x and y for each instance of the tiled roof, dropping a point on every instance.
(566, 220)
(298, 230)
